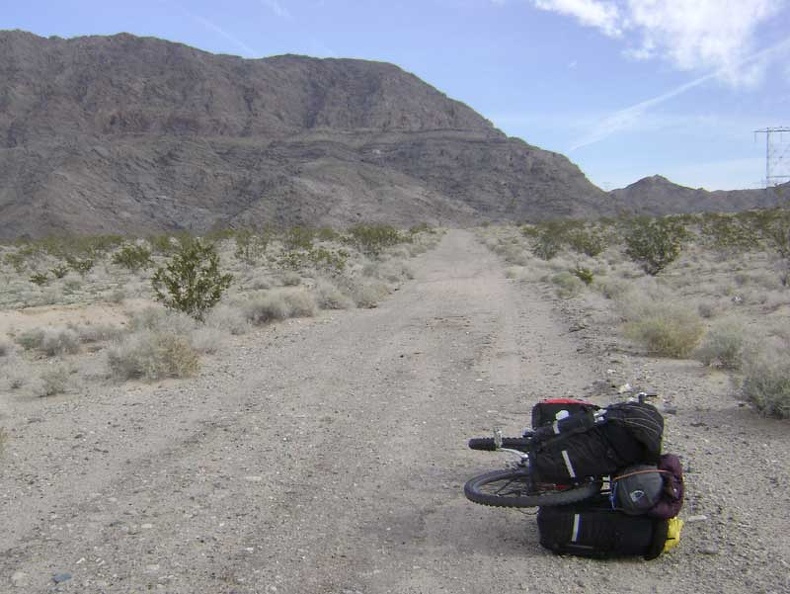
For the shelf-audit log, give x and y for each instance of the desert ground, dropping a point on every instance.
(326, 455)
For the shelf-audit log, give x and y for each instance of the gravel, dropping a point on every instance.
(327, 455)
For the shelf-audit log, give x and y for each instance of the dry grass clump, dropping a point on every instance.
(50, 342)
(567, 284)
(207, 339)
(280, 304)
(53, 381)
(723, 345)
(228, 319)
(766, 383)
(329, 296)
(368, 294)
(159, 319)
(666, 329)
(150, 355)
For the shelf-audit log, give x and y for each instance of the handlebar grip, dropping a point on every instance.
(487, 444)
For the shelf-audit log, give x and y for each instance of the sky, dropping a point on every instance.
(624, 88)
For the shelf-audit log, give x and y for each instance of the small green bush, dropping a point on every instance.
(133, 257)
(666, 330)
(39, 278)
(191, 282)
(766, 384)
(654, 243)
(152, 355)
(81, 266)
(372, 240)
(583, 274)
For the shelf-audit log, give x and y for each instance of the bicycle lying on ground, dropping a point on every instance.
(569, 453)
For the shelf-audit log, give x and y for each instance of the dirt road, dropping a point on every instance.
(327, 456)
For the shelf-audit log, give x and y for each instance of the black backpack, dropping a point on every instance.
(591, 528)
(631, 434)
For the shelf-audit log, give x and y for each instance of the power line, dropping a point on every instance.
(777, 155)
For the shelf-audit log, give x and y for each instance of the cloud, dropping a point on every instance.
(592, 13)
(277, 8)
(629, 117)
(693, 35)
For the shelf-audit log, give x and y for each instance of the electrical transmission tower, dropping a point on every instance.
(777, 155)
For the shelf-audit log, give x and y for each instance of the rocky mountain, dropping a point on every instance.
(657, 196)
(124, 134)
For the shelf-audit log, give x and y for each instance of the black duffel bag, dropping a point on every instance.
(591, 528)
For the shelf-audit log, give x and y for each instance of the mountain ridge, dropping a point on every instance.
(127, 134)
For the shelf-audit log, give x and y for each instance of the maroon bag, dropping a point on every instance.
(671, 500)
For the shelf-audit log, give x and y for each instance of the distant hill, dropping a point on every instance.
(124, 134)
(657, 195)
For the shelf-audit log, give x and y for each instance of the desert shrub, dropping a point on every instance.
(39, 278)
(545, 246)
(372, 240)
(251, 246)
(612, 288)
(59, 271)
(290, 278)
(96, 333)
(280, 304)
(151, 356)
(666, 329)
(567, 285)
(161, 320)
(654, 243)
(726, 233)
(766, 384)
(54, 381)
(590, 242)
(583, 274)
(228, 319)
(191, 282)
(16, 260)
(50, 341)
(298, 238)
(133, 257)
(369, 294)
(723, 346)
(207, 339)
(329, 296)
(81, 266)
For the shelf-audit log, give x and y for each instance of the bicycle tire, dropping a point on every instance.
(487, 444)
(514, 488)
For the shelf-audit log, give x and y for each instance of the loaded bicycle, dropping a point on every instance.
(569, 453)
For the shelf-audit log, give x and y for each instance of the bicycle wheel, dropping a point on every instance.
(487, 443)
(515, 488)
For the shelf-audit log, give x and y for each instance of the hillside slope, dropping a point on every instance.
(129, 134)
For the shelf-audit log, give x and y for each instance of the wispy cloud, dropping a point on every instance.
(701, 35)
(628, 118)
(277, 8)
(215, 28)
(605, 16)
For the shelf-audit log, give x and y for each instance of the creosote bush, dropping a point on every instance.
(191, 282)
(654, 243)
